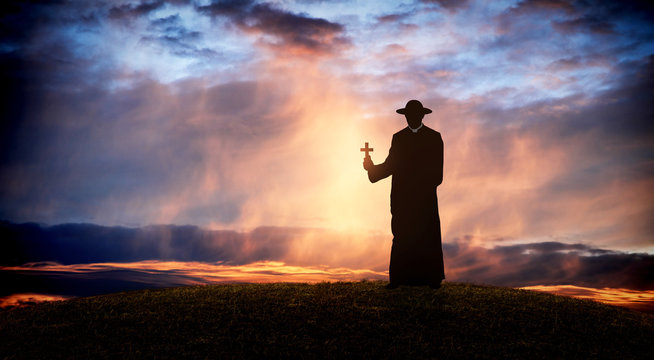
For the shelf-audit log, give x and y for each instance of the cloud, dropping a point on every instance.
(528, 6)
(576, 63)
(232, 8)
(141, 156)
(88, 243)
(101, 278)
(543, 263)
(20, 300)
(574, 17)
(392, 18)
(548, 263)
(590, 23)
(293, 33)
(135, 9)
(638, 300)
(451, 5)
(549, 28)
(171, 35)
(399, 23)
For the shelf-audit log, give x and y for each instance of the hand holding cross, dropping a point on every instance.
(367, 161)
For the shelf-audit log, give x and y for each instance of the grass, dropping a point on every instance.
(326, 320)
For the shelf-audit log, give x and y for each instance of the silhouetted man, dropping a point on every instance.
(415, 160)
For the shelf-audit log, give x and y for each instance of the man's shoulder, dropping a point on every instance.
(402, 132)
(431, 131)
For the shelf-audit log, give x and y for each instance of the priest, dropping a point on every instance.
(415, 162)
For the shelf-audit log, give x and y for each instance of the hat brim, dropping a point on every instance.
(403, 111)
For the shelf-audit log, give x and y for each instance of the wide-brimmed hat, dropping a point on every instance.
(412, 107)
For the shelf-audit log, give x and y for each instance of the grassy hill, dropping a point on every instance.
(327, 320)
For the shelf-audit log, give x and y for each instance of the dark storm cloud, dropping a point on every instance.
(549, 263)
(597, 17)
(34, 57)
(17, 19)
(293, 32)
(87, 243)
(297, 30)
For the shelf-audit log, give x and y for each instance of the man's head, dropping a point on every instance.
(414, 112)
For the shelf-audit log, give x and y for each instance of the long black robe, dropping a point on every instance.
(415, 160)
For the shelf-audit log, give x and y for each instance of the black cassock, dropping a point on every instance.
(415, 160)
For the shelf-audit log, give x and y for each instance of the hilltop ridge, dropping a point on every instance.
(326, 320)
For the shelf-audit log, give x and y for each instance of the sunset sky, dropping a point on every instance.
(233, 116)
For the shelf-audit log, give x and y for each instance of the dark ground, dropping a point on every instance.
(327, 320)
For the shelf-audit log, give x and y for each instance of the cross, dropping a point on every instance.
(366, 150)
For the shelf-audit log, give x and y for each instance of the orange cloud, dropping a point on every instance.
(202, 273)
(26, 299)
(637, 300)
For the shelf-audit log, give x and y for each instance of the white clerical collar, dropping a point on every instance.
(416, 129)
